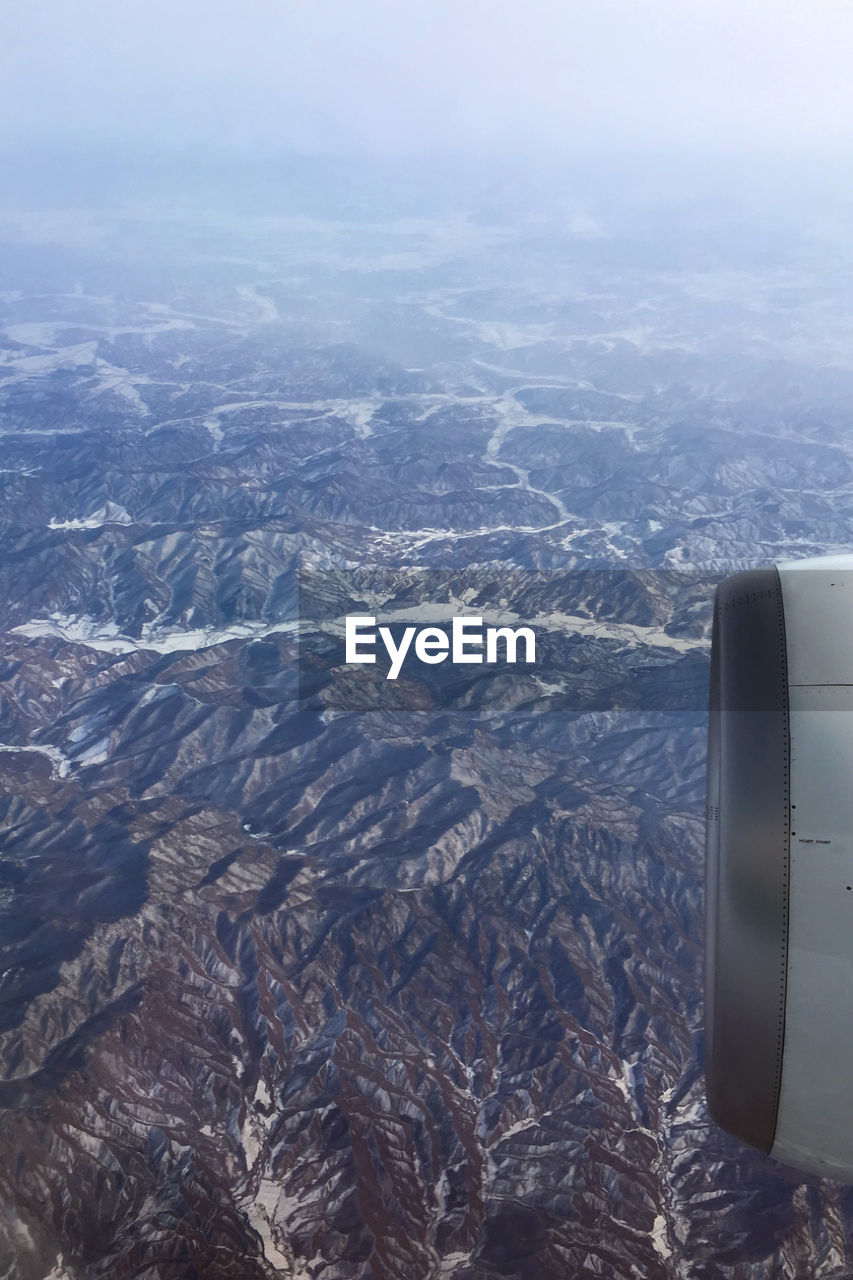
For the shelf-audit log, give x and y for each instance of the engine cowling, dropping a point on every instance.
(779, 863)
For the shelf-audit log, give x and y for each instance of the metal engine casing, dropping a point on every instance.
(779, 863)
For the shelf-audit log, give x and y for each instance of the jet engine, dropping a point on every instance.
(779, 863)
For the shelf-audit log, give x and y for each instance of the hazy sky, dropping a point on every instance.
(403, 76)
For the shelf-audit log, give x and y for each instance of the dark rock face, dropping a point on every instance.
(378, 982)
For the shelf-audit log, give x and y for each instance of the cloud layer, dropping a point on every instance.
(411, 76)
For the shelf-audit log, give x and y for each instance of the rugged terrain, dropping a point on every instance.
(305, 974)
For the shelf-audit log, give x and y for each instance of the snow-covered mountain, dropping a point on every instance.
(304, 975)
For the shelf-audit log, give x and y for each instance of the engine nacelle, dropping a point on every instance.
(779, 863)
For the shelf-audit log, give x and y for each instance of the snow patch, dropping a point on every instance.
(214, 427)
(660, 1238)
(106, 637)
(266, 312)
(262, 1213)
(81, 355)
(451, 1262)
(95, 754)
(58, 1271)
(113, 378)
(111, 513)
(251, 1146)
(628, 633)
(60, 764)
